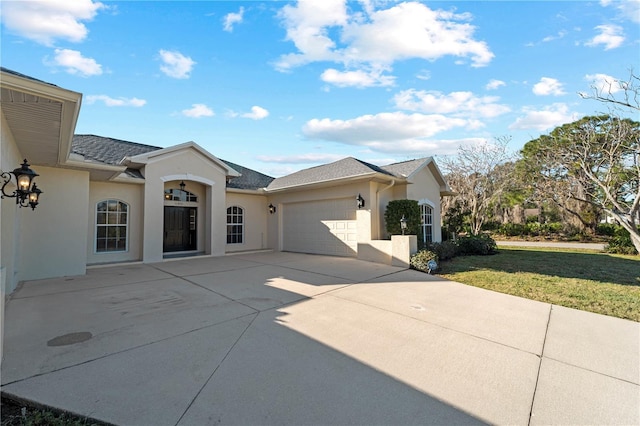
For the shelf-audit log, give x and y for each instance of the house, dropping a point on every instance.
(106, 200)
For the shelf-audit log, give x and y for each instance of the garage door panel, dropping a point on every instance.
(321, 227)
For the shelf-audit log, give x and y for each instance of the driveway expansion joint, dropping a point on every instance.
(544, 342)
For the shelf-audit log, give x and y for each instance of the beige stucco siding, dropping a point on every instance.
(255, 220)
(131, 194)
(54, 236)
(426, 190)
(10, 158)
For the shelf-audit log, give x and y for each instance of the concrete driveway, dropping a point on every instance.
(286, 338)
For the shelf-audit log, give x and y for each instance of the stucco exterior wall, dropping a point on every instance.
(256, 211)
(54, 236)
(131, 194)
(426, 190)
(191, 166)
(10, 158)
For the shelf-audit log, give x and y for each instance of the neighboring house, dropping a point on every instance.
(106, 200)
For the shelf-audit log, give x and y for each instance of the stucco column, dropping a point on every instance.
(153, 223)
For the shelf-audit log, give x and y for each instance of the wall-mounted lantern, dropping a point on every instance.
(26, 193)
(272, 209)
(360, 201)
(403, 224)
(182, 185)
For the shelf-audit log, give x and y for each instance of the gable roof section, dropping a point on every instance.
(347, 168)
(409, 168)
(116, 152)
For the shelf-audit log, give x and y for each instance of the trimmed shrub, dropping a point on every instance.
(407, 208)
(477, 244)
(513, 229)
(621, 243)
(444, 250)
(420, 260)
(608, 229)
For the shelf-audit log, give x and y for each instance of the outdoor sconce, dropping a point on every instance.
(182, 185)
(272, 209)
(360, 201)
(26, 193)
(403, 224)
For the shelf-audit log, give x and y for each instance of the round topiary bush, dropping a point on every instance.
(420, 260)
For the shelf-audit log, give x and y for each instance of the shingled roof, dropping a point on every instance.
(406, 168)
(114, 151)
(248, 179)
(346, 168)
(107, 150)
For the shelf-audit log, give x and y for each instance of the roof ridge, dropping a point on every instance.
(407, 161)
(119, 140)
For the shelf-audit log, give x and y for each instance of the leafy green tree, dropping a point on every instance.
(594, 161)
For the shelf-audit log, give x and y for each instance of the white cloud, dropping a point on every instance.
(548, 86)
(358, 78)
(257, 113)
(604, 83)
(75, 63)
(382, 132)
(547, 118)
(456, 103)
(112, 102)
(45, 21)
(629, 9)
(558, 36)
(301, 158)
(231, 19)
(494, 84)
(611, 36)
(197, 111)
(176, 65)
(375, 39)
(424, 75)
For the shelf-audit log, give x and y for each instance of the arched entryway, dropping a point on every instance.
(180, 219)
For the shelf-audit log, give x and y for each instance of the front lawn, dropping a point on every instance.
(603, 283)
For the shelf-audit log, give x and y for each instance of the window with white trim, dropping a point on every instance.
(235, 225)
(426, 219)
(112, 219)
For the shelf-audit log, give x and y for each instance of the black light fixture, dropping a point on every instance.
(272, 209)
(403, 224)
(26, 193)
(360, 201)
(182, 185)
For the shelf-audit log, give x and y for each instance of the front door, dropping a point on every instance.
(179, 228)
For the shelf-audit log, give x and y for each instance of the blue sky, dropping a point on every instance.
(280, 86)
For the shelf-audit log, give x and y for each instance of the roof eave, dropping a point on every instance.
(332, 182)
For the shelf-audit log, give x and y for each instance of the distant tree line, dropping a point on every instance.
(578, 176)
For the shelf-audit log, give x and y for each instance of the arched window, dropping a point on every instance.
(179, 195)
(235, 225)
(426, 216)
(112, 218)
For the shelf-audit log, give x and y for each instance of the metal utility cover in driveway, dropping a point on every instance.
(288, 338)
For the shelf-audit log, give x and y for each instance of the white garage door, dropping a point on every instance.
(321, 227)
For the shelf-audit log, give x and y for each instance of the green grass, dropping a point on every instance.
(606, 284)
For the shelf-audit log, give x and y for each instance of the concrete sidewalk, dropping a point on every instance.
(285, 338)
(576, 245)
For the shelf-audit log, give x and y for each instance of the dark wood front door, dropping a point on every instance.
(179, 228)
